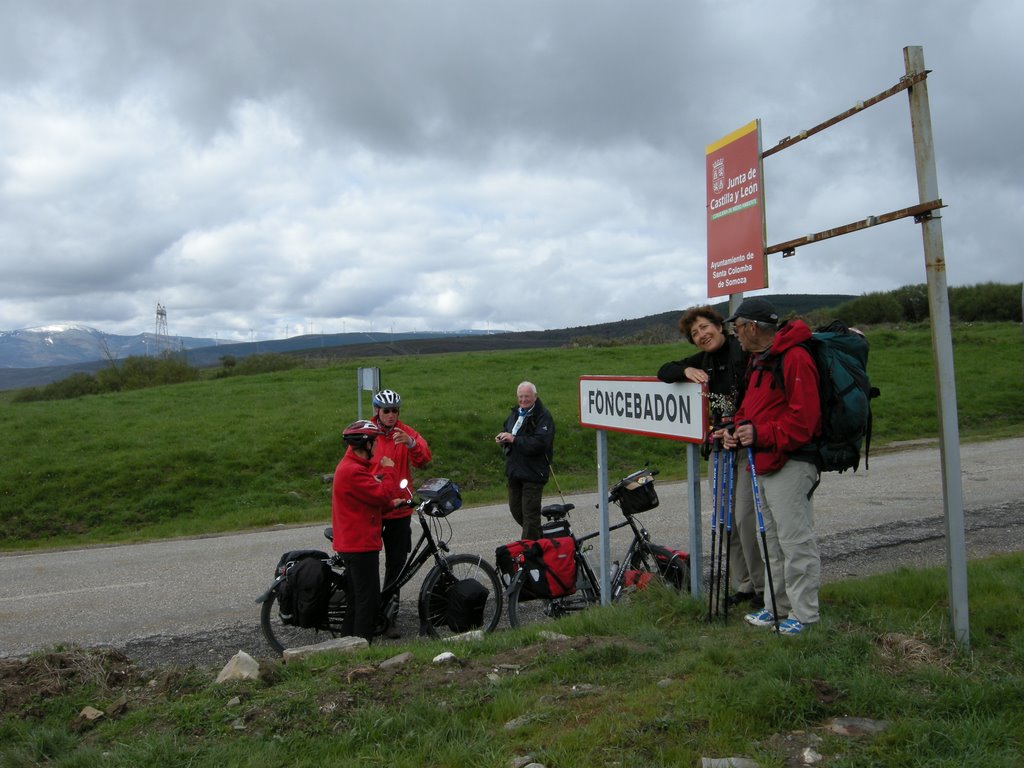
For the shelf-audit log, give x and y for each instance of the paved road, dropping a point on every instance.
(162, 593)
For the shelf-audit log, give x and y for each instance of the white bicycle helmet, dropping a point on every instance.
(387, 398)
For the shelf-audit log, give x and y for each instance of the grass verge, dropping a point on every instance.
(646, 683)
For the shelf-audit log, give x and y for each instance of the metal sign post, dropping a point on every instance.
(367, 379)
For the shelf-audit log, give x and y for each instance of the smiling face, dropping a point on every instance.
(706, 334)
(526, 396)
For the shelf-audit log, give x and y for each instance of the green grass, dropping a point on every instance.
(250, 451)
(643, 683)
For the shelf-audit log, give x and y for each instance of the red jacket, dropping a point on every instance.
(358, 499)
(405, 457)
(786, 412)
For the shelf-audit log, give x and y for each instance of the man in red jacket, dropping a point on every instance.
(358, 499)
(407, 449)
(780, 418)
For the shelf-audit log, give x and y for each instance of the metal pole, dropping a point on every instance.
(602, 503)
(693, 500)
(942, 349)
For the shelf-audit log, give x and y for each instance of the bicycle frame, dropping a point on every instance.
(426, 547)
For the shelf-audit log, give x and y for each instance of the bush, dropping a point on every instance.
(987, 301)
(870, 309)
(913, 300)
(75, 385)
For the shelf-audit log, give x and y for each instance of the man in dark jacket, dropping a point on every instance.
(528, 440)
(780, 419)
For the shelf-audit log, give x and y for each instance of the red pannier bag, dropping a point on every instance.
(508, 557)
(550, 566)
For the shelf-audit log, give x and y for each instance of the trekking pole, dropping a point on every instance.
(715, 455)
(723, 480)
(764, 538)
(730, 509)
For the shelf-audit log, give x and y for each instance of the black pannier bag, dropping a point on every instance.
(285, 592)
(309, 582)
(467, 599)
(636, 494)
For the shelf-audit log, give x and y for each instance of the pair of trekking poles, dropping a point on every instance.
(723, 504)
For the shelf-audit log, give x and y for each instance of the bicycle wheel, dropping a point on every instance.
(442, 613)
(281, 636)
(664, 565)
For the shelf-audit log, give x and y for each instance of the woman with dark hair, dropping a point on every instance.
(721, 366)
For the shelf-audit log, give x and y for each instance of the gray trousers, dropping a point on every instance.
(792, 546)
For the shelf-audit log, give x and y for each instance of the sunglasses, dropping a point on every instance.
(389, 410)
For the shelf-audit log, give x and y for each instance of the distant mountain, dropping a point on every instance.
(55, 345)
(34, 357)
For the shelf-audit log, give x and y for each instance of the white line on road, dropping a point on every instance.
(37, 595)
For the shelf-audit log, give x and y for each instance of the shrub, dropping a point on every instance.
(870, 309)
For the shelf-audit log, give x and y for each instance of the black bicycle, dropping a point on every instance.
(460, 592)
(643, 562)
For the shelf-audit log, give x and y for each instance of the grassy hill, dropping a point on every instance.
(250, 451)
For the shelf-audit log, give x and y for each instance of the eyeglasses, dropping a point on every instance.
(389, 410)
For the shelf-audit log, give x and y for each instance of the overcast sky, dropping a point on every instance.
(264, 169)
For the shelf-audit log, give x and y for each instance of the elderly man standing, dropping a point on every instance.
(528, 440)
(779, 419)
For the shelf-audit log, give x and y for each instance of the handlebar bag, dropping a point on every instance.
(636, 495)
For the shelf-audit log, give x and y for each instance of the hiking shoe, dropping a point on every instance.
(763, 618)
(742, 597)
(790, 627)
(757, 602)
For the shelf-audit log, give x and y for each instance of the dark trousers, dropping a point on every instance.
(363, 594)
(397, 535)
(524, 501)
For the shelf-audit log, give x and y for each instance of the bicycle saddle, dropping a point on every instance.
(557, 511)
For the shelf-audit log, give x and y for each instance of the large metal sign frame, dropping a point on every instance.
(925, 212)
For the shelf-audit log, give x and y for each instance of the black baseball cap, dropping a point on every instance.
(756, 308)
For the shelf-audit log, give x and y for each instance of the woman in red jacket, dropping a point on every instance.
(358, 499)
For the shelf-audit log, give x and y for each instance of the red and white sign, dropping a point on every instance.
(643, 405)
(736, 216)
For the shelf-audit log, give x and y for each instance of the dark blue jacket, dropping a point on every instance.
(528, 458)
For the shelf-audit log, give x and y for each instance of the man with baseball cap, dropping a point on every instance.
(778, 420)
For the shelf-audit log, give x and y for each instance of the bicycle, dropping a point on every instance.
(438, 499)
(643, 562)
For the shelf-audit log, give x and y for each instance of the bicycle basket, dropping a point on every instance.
(636, 494)
(443, 496)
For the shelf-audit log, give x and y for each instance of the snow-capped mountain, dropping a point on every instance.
(54, 345)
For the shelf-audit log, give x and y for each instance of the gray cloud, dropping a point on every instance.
(263, 168)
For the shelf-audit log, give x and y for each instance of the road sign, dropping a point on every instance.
(643, 405)
(735, 213)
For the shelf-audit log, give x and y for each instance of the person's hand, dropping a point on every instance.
(386, 461)
(401, 438)
(744, 435)
(696, 375)
(504, 438)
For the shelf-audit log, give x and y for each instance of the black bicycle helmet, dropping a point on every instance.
(387, 398)
(359, 433)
